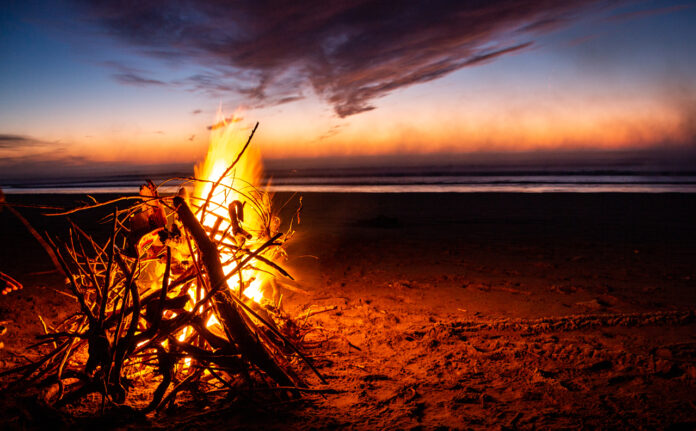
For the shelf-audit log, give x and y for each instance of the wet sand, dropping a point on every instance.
(455, 311)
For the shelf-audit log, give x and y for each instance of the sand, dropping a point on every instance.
(450, 311)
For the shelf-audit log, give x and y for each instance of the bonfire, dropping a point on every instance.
(183, 296)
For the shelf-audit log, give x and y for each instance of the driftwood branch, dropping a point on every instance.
(235, 324)
(158, 305)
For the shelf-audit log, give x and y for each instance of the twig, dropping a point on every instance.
(233, 322)
(38, 237)
(315, 312)
(227, 171)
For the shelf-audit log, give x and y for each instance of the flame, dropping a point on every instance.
(227, 141)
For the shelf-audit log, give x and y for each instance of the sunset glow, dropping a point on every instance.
(575, 88)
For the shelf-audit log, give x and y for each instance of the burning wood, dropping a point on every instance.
(173, 301)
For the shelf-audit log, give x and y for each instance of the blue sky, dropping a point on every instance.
(87, 83)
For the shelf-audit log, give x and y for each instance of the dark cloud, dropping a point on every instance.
(258, 91)
(14, 142)
(127, 75)
(224, 122)
(624, 16)
(27, 163)
(26, 156)
(333, 130)
(350, 52)
(134, 79)
(208, 82)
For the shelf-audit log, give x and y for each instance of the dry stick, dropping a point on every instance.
(212, 339)
(73, 257)
(214, 374)
(249, 310)
(253, 201)
(97, 248)
(93, 322)
(50, 364)
(107, 276)
(152, 331)
(279, 335)
(61, 385)
(38, 237)
(88, 207)
(85, 389)
(125, 343)
(121, 316)
(241, 192)
(73, 285)
(93, 276)
(187, 277)
(194, 259)
(81, 273)
(49, 338)
(227, 171)
(33, 366)
(265, 260)
(230, 316)
(310, 313)
(165, 367)
(217, 205)
(199, 273)
(67, 323)
(121, 225)
(183, 279)
(215, 289)
(292, 286)
(165, 284)
(189, 350)
(274, 266)
(41, 207)
(239, 273)
(45, 328)
(216, 227)
(170, 397)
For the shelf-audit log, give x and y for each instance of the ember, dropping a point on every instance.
(182, 297)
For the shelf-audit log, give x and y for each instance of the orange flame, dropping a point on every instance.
(240, 184)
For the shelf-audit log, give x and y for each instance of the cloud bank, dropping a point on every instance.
(349, 52)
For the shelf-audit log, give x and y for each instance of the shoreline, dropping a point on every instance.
(534, 188)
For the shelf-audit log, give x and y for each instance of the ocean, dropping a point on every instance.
(398, 180)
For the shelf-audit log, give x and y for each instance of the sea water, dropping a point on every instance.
(395, 180)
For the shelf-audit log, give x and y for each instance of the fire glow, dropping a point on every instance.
(177, 292)
(241, 186)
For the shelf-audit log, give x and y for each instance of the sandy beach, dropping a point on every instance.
(446, 311)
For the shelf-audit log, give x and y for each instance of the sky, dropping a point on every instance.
(123, 86)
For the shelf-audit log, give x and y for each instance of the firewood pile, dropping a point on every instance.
(163, 303)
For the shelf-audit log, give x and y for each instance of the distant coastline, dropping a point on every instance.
(400, 181)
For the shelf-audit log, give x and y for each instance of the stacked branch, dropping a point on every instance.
(162, 305)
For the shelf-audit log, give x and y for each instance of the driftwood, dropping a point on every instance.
(237, 327)
(157, 309)
(31, 229)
